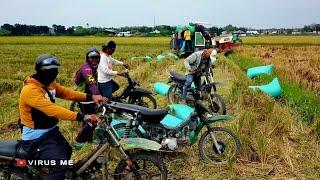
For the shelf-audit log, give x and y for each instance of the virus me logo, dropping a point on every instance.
(23, 162)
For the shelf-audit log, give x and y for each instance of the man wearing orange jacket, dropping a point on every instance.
(39, 114)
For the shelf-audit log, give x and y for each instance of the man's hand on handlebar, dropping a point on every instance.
(99, 99)
(121, 73)
(124, 73)
(125, 65)
(92, 118)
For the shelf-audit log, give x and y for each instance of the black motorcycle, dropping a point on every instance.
(208, 89)
(140, 159)
(132, 94)
(217, 144)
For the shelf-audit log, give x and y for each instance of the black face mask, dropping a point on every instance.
(46, 77)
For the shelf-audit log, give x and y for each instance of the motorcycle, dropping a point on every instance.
(208, 89)
(216, 144)
(132, 94)
(139, 158)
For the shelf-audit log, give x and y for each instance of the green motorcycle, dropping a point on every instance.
(140, 159)
(181, 125)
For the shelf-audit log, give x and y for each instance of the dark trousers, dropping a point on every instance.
(86, 133)
(188, 46)
(51, 146)
(106, 89)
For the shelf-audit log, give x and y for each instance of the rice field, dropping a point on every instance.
(281, 40)
(276, 143)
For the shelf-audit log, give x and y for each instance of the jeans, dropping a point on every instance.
(189, 79)
(106, 89)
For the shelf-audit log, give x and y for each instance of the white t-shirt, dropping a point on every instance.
(105, 73)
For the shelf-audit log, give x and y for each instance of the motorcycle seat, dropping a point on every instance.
(177, 76)
(149, 115)
(12, 149)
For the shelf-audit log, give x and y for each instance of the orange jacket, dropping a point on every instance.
(36, 109)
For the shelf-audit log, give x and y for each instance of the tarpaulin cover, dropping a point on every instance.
(178, 28)
(148, 58)
(180, 111)
(256, 71)
(160, 57)
(161, 88)
(273, 88)
(191, 28)
(171, 121)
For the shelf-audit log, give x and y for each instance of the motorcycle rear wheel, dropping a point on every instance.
(145, 100)
(174, 94)
(217, 105)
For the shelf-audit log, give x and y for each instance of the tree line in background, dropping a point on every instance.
(162, 30)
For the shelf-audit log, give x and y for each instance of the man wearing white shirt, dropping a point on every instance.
(105, 73)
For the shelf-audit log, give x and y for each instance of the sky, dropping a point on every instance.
(119, 13)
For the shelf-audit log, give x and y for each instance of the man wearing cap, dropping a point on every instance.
(105, 73)
(86, 80)
(39, 115)
(86, 76)
(196, 64)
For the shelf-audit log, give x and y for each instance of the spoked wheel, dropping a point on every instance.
(145, 100)
(228, 146)
(144, 166)
(174, 94)
(216, 104)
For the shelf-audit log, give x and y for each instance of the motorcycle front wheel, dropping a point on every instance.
(12, 173)
(228, 146)
(144, 166)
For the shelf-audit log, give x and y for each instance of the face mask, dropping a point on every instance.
(46, 77)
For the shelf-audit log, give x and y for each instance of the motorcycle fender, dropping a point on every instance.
(217, 118)
(141, 90)
(139, 143)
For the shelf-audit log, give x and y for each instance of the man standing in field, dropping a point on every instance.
(196, 64)
(86, 79)
(105, 73)
(40, 115)
(187, 39)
